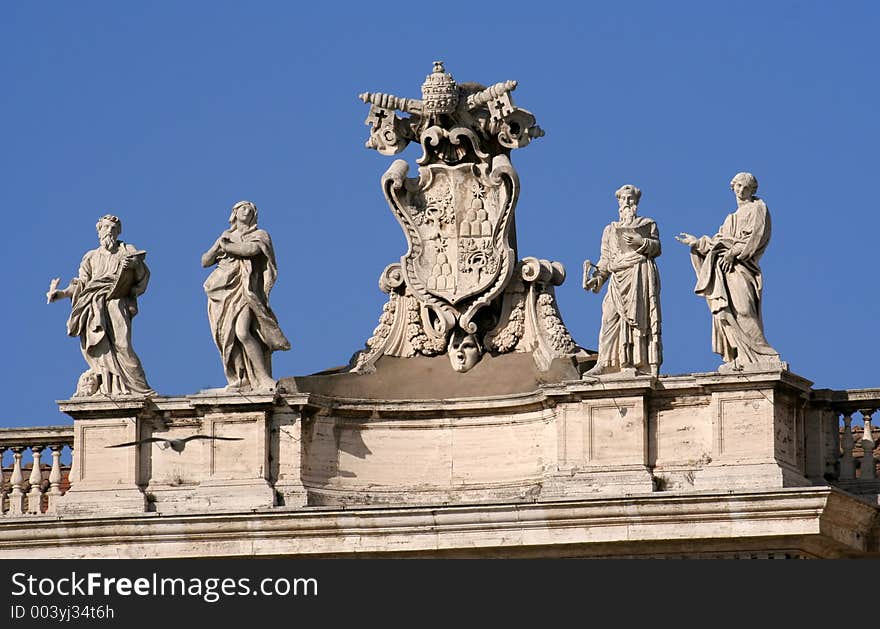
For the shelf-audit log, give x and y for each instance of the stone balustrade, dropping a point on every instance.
(34, 489)
(859, 436)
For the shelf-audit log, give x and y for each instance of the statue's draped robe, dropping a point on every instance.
(101, 317)
(734, 298)
(236, 285)
(630, 334)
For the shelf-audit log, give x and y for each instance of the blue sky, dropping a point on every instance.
(167, 113)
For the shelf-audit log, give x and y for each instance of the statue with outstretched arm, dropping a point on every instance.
(729, 278)
(103, 304)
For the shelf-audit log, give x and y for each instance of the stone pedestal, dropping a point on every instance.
(206, 452)
(602, 441)
(210, 473)
(713, 431)
(240, 469)
(104, 480)
(757, 431)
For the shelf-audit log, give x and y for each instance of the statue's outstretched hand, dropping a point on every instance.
(53, 293)
(688, 239)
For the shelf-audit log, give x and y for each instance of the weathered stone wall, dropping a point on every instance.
(694, 465)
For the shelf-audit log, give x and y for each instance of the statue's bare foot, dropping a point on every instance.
(597, 370)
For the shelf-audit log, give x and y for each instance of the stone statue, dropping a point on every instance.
(630, 335)
(460, 280)
(245, 329)
(103, 303)
(729, 277)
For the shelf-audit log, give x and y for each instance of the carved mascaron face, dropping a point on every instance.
(464, 352)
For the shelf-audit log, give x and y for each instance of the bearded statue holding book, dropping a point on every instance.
(629, 340)
(104, 301)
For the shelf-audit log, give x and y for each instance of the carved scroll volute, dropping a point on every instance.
(542, 271)
(431, 138)
(453, 146)
(391, 278)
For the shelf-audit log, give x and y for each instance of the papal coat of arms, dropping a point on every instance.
(460, 284)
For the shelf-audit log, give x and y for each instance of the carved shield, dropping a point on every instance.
(457, 220)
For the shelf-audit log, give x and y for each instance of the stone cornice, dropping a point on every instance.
(814, 520)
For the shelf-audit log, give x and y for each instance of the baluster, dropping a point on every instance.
(54, 479)
(847, 465)
(16, 496)
(35, 494)
(868, 469)
(70, 469)
(3, 492)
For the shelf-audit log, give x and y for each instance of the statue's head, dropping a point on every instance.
(109, 227)
(744, 186)
(628, 201)
(464, 351)
(244, 212)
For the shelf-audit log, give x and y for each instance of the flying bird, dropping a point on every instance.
(175, 444)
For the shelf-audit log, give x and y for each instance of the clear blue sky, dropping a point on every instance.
(167, 113)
